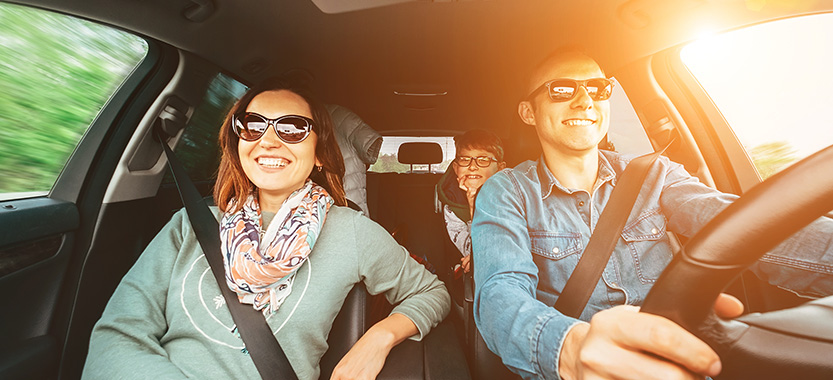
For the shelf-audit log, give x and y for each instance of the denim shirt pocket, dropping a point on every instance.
(648, 245)
(556, 255)
(555, 245)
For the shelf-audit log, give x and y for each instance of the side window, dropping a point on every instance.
(772, 84)
(626, 132)
(197, 149)
(56, 73)
(388, 163)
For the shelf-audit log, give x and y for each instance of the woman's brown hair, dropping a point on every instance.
(232, 182)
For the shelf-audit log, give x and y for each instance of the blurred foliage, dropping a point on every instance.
(770, 158)
(198, 149)
(388, 163)
(56, 72)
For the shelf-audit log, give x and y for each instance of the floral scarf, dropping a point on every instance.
(260, 268)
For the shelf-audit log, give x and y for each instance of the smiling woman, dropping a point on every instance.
(289, 251)
(276, 172)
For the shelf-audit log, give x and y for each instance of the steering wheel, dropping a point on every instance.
(793, 343)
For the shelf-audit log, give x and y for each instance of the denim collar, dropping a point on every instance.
(548, 180)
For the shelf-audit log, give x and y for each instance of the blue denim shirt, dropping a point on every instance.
(529, 232)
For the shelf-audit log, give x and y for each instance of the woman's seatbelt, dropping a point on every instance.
(262, 345)
(590, 266)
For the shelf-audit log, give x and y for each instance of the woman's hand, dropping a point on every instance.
(367, 357)
(621, 343)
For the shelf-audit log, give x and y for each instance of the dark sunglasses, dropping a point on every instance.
(481, 161)
(291, 129)
(564, 89)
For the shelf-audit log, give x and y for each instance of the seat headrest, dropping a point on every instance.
(420, 153)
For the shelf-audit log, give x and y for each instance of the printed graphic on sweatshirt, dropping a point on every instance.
(206, 308)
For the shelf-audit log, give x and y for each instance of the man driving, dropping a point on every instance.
(533, 222)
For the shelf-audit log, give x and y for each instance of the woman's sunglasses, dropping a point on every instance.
(564, 89)
(481, 161)
(291, 129)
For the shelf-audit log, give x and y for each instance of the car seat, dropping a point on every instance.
(483, 363)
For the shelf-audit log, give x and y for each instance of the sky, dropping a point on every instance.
(773, 82)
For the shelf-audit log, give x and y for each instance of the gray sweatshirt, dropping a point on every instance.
(168, 320)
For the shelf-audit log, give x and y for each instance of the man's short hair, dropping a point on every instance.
(480, 139)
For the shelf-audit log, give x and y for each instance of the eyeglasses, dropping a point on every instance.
(291, 129)
(564, 89)
(481, 161)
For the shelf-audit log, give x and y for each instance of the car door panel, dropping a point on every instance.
(37, 239)
(45, 241)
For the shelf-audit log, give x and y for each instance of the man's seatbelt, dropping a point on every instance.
(262, 345)
(590, 266)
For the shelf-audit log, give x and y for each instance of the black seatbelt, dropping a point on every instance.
(590, 266)
(262, 345)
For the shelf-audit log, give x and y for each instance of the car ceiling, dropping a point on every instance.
(477, 50)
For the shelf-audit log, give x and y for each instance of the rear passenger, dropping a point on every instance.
(479, 155)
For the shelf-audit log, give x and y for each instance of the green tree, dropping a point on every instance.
(56, 73)
(770, 158)
(388, 163)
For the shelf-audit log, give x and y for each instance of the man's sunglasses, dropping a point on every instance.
(564, 89)
(291, 129)
(481, 161)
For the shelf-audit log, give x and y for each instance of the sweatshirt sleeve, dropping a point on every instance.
(385, 267)
(125, 342)
(458, 230)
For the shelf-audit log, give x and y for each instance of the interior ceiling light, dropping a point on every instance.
(341, 6)
(401, 93)
(199, 11)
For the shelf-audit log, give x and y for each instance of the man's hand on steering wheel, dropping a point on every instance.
(621, 343)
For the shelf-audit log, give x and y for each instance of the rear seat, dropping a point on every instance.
(404, 203)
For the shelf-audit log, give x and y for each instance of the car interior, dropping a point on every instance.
(419, 72)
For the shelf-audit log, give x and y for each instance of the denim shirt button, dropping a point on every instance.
(581, 203)
(555, 250)
(654, 231)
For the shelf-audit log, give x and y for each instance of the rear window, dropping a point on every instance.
(388, 162)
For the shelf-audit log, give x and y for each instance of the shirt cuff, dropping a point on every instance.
(550, 339)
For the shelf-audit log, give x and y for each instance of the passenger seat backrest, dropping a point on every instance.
(404, 202)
